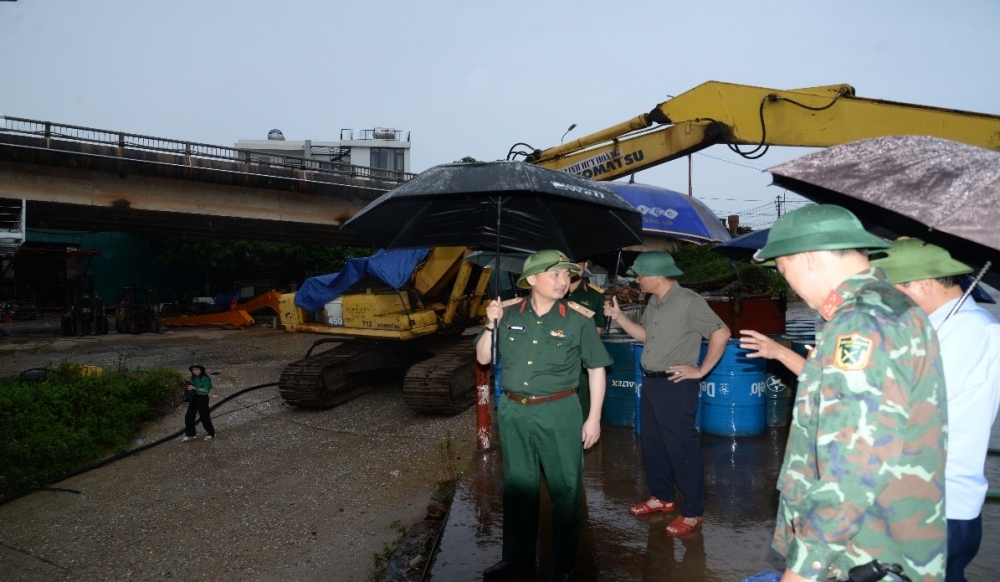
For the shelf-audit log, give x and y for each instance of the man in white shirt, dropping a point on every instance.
(970, 353)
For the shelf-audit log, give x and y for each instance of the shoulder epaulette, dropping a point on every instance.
(595, 288)
(580, 309)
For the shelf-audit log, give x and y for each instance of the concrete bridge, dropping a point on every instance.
(80, 178)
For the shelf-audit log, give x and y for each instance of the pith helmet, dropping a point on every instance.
(547, 260)
(911, 259)
(655, 263)
(817, 227)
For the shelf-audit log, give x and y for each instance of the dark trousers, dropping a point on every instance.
(964, 536)
(671, 451)
(199, 405)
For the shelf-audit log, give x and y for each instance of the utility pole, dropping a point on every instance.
(690, 168)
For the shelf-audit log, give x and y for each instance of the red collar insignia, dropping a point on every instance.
(829, 307)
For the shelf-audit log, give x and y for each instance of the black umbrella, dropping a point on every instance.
(941, 191)
(510, 206)
(503, 206)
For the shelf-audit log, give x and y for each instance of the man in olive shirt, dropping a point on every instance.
(586, 295)
(543, 342)
(673, 324)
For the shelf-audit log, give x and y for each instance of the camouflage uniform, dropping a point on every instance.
(863, 476)
(592, 299)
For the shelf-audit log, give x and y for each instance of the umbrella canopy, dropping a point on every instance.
(744, 246)
(944, 192)
(510, 206)
(672, 214)
(510, 262)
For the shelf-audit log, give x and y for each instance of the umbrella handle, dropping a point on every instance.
(975, 281)
(494, 346)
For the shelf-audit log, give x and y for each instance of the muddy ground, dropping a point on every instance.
(281, 494)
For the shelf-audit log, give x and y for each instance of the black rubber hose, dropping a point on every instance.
(121, 456)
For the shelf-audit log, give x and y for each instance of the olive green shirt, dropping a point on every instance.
(675, 327)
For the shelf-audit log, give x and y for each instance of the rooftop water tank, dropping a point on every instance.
(384, 133)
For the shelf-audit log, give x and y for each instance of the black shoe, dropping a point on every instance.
(560, 576)
(503, 568)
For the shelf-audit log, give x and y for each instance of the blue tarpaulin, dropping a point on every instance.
(394, 268)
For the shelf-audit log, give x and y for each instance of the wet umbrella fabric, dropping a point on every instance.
(744, 246)
(509, 206)
(672, 214)
(510, 262)
(944, 192)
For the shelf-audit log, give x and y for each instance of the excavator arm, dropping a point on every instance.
(740, 115)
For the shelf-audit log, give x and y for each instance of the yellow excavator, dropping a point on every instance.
(417, 331)
(717, 113)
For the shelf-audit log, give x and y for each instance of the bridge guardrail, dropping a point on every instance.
(75, 133)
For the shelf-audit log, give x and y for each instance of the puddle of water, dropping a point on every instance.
(740, 507)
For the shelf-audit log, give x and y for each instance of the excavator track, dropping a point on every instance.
(337, 375)
(444, 383)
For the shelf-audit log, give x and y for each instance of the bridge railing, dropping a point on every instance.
(75, 133)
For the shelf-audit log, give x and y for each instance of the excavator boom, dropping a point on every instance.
(725, 113)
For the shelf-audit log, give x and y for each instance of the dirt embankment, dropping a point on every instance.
(281, 494)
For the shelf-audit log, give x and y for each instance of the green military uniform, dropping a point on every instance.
(593, 300)
(863, 475)
(542, 355)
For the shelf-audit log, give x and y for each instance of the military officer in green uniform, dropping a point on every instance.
(863, 476)
(591, 298)
(542, 343)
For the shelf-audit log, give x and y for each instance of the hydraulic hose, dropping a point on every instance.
(120, 456)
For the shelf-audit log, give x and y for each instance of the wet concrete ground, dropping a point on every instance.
(740, 507)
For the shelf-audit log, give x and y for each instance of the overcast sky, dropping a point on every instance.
(473, 78)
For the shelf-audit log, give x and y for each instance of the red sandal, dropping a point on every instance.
(645, 508)
(680, 527)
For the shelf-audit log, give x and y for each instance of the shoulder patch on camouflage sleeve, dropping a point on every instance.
(853, 352)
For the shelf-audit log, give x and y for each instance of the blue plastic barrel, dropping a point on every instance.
(622, 380)
(732, 395)
(779, 401)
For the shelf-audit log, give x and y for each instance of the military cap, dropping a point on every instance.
(547, 260)
(654, 263)
(817, 227)
(911, 259)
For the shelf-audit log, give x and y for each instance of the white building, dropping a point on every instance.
(379, 148)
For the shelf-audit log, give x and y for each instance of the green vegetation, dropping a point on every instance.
(73, 419)
(222, 261)
(706, 269)
(380, 560)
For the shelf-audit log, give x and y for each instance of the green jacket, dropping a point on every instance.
(863, 475)
(542, 355)
(202, 384)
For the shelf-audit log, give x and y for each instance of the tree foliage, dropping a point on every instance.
(220, 262)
